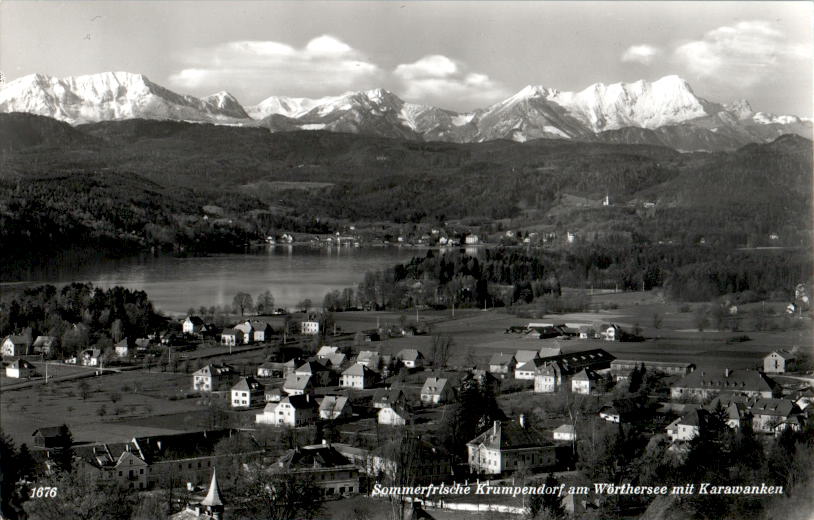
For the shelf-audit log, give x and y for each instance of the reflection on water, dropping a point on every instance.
(291, 273)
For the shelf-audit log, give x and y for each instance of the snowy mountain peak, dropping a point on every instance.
(110, 95)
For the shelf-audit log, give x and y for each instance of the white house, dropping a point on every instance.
(369, 359)
(610, 332)
(508, 447)
(471, 240)
(20, 369)
(247, 330)
(309, 328)
(779, 361)
(584, 381)
(294, 410)
(528, 370)
(393, 415)
(687, 426)
(548, 379)
(15, 345)
(122, 348)
(90, 357)
(320, 374)
(212, 378)
(436, 391)
(248, 393)
(357, 376)
(261, 330)
(193, 325)
(231, 337)
(298, 385)
(334, 407)
(565, 432)
(410, 358)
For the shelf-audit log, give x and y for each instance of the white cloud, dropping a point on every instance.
(325, 65)
(742, 54)
(439, 79)
(643, 54)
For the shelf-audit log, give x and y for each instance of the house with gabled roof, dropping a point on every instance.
(326, 350)
(688, 426)
(706, 383)
(383, 397)
(564, 432)
(193, 325)
(44, 345)
(232, 337)
(410, 358)
(20, 369)
(91, 357)
(394, 414)
(358, 376)
(779, 361)
(369, 359)
(296, 384)
(334, 407)
(122, 348)
(271, 369)
(324, 465)
(549, 352)
(508, 446)
(15, 345)
(261, 330)
(247, 330)
(319, 373)
(292, 410)
(248, 393)
(549, 378)
(437, 391)
(50, 436)
(528, 369)
(524, 356)
(769, 413)
(502, 364)
(584, 381)
(213, 378)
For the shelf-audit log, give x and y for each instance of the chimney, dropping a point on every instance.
(522, 421)
(726, 372)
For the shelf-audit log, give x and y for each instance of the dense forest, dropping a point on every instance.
(136, 184)
(79, 316)
(505, 276)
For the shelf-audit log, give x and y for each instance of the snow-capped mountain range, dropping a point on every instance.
(665, 112)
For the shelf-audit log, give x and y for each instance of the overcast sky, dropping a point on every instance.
(457, 55)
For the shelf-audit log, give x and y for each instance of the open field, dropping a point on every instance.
(136, 394)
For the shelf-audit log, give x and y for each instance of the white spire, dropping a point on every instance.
(213, 497)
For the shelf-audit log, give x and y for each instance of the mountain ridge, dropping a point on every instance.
(665, 111)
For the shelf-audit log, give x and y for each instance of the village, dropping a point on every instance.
(350, 407)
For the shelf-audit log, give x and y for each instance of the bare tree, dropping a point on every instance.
(242, 303)
(441, 350)
(276, 495)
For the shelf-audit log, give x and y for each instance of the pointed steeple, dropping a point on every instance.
(213, 498)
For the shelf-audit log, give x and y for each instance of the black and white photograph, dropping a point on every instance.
(406, 260)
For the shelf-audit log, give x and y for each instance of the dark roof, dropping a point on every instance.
(21, 363)
(18, 339)
(181, 445)
(501, 359)
(300, 402)
(409, 354)
(359, 370)
(510, 435)
(196, 320)
(47, 431)
(738, 380)
(312, 367)
(249, 384)
(312, 457)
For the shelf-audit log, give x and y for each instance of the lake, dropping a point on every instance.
(291, 273)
